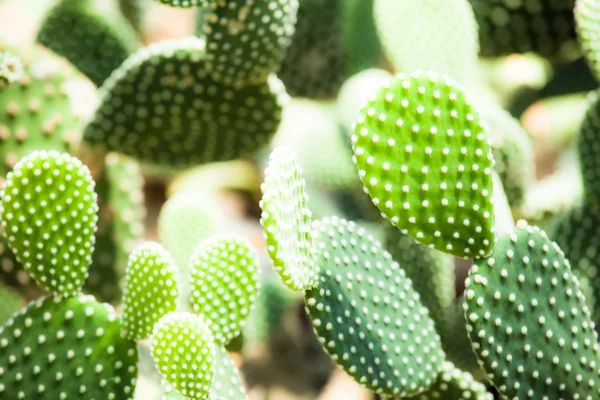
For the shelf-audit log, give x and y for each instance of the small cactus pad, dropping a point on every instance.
(286, 220)
(66, 349)
(587, 14)
(224, 278)
(184, 352)
(528, 321)
(588, 142)
(426, 162)
(150, 289)
(49, 215)
(454, 384)
(162, 108)
(367, 315)
(227, 382)
(246, 40)
(11, 69)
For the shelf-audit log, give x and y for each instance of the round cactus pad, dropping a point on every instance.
(224, 278)
(184, 352)
(246, 40)
(49, 215)
(454, 384)
(66, 349)
(426, 162)
(367, 315)
(162, 108)
(286, 221)
(150, 289)
(528, 321)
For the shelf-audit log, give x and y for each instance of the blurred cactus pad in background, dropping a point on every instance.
(299, 199)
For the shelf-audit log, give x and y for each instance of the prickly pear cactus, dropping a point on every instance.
(457, 385)
(426, 162)
(11, 301)
(528, 320)
(48, 193)
(227, 382)
(356, 313)
(587, 146)
(11, 68)
(185, 3)
(65, 348)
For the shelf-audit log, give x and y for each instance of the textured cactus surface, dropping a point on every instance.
(528, 321)
(224, 279)
(161, 107)
(286, 220)
(367, 315)
(184, 352)
(426, 162)
(48, 193)
(588, 147)
(456, 385)
(150, 290)
(227, 382)
(67, 348)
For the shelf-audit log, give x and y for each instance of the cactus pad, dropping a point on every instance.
(227, 382)
(162, 108)
(586, 17)
(150, 289)
(286, 221)
(367, 315)
(184, 352)
(246, 40)
(49, 215)
(588, 146)
(455, 384)
(66, 349)
(528, 321)
(426, 162)
(224, 278)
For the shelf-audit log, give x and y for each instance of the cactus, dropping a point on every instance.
(586, 18)
(49, 192)
(457, 385)
(227, 383)
(226, 265)
(286, 220)
(423, 126)
(587, 143)
(528, 321)
(11, 69)
(185, 3)
(11, 302)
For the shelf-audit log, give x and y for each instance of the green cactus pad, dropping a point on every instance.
(185, 3)
(184, 352)
(586, 18)
(227, 382)
(456, 342)
(182, 118)
(135, 12)
(49, 215)
(224, 278)
(150, 289)
(66, 349)
(449, 44)
(96, 44)
(361, 44)
(454, 384)
(426, 162)
(10, 302)
(528, 321)
(286, 220)
(367, 314)
(11, 69)
(246, 40)
(587, 143)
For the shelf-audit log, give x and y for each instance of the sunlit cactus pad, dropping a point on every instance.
(224, 278)
(286, 220)
(161, 107)
(426, 162)
(246, 40)
(528, 321)
(456, 385)
(49, 214)
(150, 289)
(367, 314)
(66, 349)
(184, 352)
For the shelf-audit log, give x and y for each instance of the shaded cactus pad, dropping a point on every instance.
(162, 107)
(150, 289)
(454, 384)
(224, 279)
(586, 17)
(184, 352)
(66, 349)
(426, 162)
(49, 215)
(367, 315)
(286, 220)
(528, 321)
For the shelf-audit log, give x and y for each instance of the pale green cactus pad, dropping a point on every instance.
(587, 146)
(426, 162)
(454, 384)
(528, 321)
(224, 278)
(150, 290)
(11, 68)
(367, 315)
(184, 352)
(66, 349)
(49, 193)
(587, 13)
(246, 40)
(183, 118)
(286, 220)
